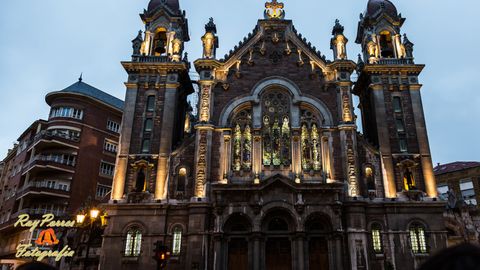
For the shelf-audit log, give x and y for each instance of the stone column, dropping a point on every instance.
(226, 146)
(218, 252)
(337, 252)
(327, 158)
(257, 155)
(256, 251)
(422, 137)
(384, 142)
(204, 136)
(297, 155)
(300, 252)
(121, 166)
(147, 47)
(348, 138)
(168, 122)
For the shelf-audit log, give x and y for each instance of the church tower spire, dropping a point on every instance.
(390, 101)
(156, 104)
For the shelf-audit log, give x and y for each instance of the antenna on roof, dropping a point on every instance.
(81, 77)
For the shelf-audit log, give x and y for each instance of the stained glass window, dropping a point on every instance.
(311, 148)
(177, 241)
(133, 243)
(418, 240)
(242, 141)
(276, 131)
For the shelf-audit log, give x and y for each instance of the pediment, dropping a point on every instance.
(273, 38)
(277, 182)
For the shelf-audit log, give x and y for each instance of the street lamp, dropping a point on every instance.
(93, 215)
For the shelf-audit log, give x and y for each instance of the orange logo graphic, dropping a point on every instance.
(47, 238)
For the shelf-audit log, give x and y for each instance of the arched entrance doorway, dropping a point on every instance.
(318, 228)
(278, 246)
(237, 229)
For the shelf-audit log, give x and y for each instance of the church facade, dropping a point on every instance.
(273, 173)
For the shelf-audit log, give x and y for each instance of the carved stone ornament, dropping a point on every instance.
(274, 10)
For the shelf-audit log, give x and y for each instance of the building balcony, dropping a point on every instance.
(150, 59)
(48, 139)
(40, 212)
(44, 188)
(394, 61)
(55, 162)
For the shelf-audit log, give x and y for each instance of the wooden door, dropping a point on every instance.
(278, 254)
(318, 254)
(238, 254)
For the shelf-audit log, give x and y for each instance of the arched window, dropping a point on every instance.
(133, 243)
(418, 240)
(177, 241)
(141, 183)
(276, 129)
(386, 44)
(311, 150)
(150, 103)
(160, 42)
(148, 127)
(377, 238)
(242, 141)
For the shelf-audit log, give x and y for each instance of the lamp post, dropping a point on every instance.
(91, 215)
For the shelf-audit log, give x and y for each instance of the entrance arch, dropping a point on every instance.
(278, 226)
(318, 228)
(237, 229)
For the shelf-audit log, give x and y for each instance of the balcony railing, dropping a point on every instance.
(47, 134)
(150, 59)
(393, 61)
(46, 185)
(57, 158)
(36, 211)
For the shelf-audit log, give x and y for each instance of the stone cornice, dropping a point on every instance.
(155, 67)
(393, 69)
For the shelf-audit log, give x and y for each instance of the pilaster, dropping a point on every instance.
(166, 135)
(125, 138)
(422, 137)
(384, 141)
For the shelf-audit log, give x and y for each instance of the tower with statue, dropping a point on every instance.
(274, 173)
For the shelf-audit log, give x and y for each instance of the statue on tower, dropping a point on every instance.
(339, 42)
(209, 40)
(274, 10)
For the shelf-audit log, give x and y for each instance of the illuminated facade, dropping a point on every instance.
(274, 173)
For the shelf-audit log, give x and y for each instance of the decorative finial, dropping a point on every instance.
(338, 28)
(80, 79)
(211, 27)
(274, 10)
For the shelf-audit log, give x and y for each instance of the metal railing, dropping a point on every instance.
(150, 59)
(392, 61)
(55, 134)
(46, 185)
(37, 211)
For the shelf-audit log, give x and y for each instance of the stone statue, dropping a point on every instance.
(208, 45)
(341, 48)
(137, 44)
(177, 46)
(372, 49)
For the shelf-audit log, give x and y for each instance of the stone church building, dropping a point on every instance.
(273, 172)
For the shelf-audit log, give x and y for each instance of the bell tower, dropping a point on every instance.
(155, 104)
(390, 102)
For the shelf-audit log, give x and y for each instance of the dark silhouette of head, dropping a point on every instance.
(35, 266)
(462, 257)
